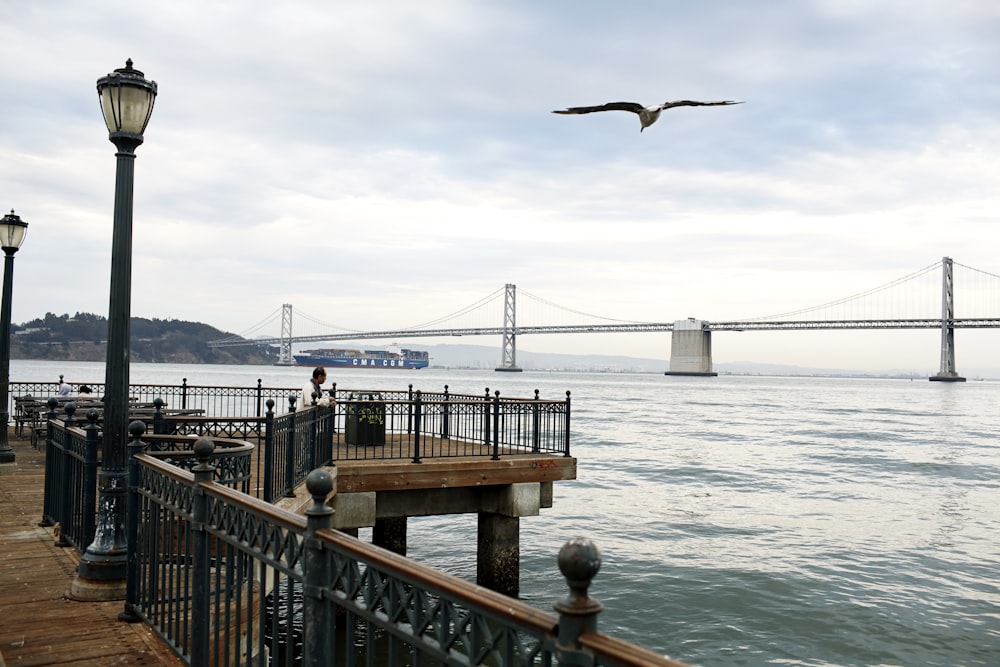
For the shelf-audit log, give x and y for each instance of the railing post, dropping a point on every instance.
(290, 450)
(268, 453)
(335, 406)
(496, 426)
(158, 416)
(579, 560)
(133, 551)
(409, 409)
(417, 418)
(70, 410)
(52, 403)
(200, 574)
(314, 435)
(66, 493)
(444, 416)
(260, 395)
(566, 450)
(326, 434)
(535, 425)
(486, 418)
(318, 618)
(184, 393)
(91, 447)
(54, 466)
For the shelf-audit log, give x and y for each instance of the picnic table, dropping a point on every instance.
(32, 413)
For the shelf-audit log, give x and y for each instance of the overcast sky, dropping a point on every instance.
(383, 164)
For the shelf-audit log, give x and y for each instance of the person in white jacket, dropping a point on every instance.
(314, 386)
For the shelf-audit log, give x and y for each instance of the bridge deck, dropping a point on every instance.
(38, 624)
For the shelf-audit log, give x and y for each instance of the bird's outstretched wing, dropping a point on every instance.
(634, 107)
(692, 103)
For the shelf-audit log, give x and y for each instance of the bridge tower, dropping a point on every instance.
(947, 372)
(509, 361)
(285, 348)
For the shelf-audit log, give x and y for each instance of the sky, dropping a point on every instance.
(383, 164)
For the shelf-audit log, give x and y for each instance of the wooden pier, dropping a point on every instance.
(39, 625)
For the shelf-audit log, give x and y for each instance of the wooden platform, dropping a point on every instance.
(363, 468)
(39, 625)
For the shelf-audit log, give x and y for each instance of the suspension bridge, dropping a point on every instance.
(924, 299)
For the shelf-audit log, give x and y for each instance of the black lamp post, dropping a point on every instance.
(12, 231)
(127, 102)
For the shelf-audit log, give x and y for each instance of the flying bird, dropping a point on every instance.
(647, 115)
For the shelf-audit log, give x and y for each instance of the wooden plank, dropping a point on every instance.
(355, 476)
(40, 626)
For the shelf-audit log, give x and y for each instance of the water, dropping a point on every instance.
(743, 520)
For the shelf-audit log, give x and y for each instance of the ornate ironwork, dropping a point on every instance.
(270, 581)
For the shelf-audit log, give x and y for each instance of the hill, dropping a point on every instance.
(83, 337)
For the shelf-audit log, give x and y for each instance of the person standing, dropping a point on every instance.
(314, 386)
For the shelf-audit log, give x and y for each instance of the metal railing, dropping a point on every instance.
(370, 425)
(279, 450)
(72, 462)
(227, 579)
(214, 400)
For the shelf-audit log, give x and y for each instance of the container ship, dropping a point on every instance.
(344, 358)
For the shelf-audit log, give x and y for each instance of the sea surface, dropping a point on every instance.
(742, 520)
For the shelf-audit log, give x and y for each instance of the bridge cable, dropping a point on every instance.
(314, 320)
(247, 333)
(986, 273)
(457, 313)
(578, 312)
(927, 269)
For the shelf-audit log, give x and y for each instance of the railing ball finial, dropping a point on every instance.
(136, 429)
(579, 561)
(203, 449)
(158, 403)
(270, 404)
(319, 484)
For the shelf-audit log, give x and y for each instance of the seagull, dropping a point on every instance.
(647, 115)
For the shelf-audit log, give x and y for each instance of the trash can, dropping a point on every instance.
(366, 421)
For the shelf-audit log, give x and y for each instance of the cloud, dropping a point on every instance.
(385, 165)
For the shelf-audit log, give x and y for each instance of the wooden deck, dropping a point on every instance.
(458, 464)
(39, 625)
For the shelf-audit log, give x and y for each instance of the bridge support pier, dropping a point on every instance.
(498, 557)
(691, 349)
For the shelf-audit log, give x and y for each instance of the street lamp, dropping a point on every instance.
(12, 231)
(127, 102)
